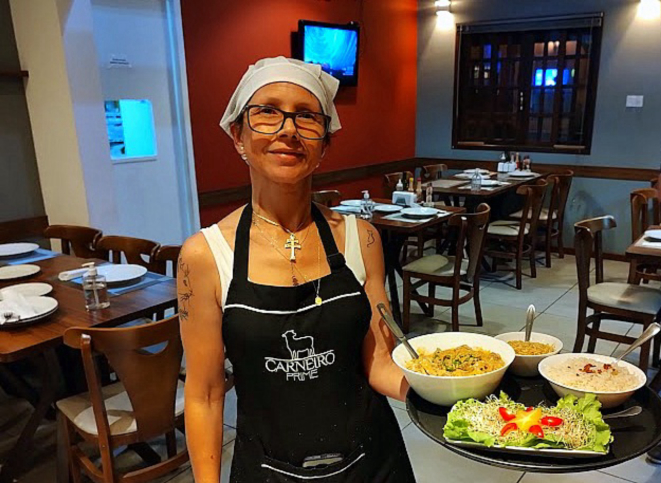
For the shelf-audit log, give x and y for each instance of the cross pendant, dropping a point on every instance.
(292, 244)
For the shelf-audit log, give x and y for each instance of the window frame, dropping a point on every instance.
(526, 67)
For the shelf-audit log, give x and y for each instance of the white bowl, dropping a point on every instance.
(608, 399)
(447, 390)
(526, 366)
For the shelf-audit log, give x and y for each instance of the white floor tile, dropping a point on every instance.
(640, 470)
(402, 417)
(434, 464)
(229, 415)
(585, 477)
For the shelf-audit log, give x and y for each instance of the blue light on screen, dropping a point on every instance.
(334, 49)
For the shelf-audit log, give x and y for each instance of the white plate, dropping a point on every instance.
(11, 272)
(387, 208)
(559, 453)
(121, 273)
(14, 249)
(655, 234)
(44, 306)
(346, 209)
(32, 289)
(351, 202)
(480, 170)
(469, 176)
(422, 212)
(522, 174)
(490, 182)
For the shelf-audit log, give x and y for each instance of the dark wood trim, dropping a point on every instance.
(24, 228)
(242, 193)
(17, 74)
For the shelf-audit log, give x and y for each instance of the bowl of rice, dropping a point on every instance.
(580, 374)
(454, 365)
(530, 354)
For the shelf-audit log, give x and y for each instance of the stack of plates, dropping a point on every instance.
(522, 174)
(43, 306)
(17, 249)
(420, 213)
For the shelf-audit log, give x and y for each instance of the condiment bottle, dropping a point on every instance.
(95, 288)
(418, 190)
(411, 184)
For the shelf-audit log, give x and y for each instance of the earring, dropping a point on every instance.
(244, 156)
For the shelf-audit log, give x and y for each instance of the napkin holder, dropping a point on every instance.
(403, 198)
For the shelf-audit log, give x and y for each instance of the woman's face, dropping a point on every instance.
(283, 157)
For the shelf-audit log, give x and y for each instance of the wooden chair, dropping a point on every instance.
(390, 182)
(167, 256)
(460, 273)
(552, 219)
(327, 197)
(512, 240)
(135, 250)
(644, 212)
(609, 300)
(148, 402)
(433, 171)
(80, 240)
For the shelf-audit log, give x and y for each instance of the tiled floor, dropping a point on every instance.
(554, 293)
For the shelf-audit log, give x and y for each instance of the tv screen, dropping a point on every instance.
(334, 47)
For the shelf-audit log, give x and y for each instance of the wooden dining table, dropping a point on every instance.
(38, 342)
(641, 253)
(393, 236)
(454, 187)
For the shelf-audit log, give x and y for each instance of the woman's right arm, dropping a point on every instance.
(198, 288)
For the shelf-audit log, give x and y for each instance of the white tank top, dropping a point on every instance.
(224, 255)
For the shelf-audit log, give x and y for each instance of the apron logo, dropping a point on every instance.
(304, 363)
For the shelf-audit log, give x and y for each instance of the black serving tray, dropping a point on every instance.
(633, 436)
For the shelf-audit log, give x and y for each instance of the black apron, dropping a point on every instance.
(300, 383)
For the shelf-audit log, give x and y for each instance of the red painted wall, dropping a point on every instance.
(222, 38)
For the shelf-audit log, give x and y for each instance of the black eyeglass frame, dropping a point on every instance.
(288, 115)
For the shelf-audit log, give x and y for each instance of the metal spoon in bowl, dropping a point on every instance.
(397, 332)
(530, 317)
(650, 332)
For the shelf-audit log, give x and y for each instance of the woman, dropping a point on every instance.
(296, 316)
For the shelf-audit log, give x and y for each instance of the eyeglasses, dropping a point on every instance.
(270, 120)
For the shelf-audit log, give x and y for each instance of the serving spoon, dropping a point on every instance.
(627, 413)
(650, 332)
(530, 317)
(397, 331)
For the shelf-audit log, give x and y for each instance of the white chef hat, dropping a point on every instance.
(281, 69)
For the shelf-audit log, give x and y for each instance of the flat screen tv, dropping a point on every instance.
(333, 46)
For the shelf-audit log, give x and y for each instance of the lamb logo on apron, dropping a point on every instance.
(304, 363)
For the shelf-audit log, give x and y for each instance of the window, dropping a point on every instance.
(525, 85)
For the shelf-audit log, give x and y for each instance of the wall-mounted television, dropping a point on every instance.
(333, 46)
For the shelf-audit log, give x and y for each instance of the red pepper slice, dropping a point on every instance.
(505, 415)
(536, 430)
(507, 428)
(529, 408)
(551, 421)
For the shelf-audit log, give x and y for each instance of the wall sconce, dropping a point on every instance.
(649, 9)
(444, 17)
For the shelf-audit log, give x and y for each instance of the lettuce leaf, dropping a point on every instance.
(458, 427)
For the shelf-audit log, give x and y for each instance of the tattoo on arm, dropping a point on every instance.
(187, 292)
(370, 238)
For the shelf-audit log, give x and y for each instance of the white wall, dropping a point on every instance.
(147, 195)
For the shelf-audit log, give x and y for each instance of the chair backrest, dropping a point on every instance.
(588, 241)
(644, 211)
(433, 171)
(81, 240)
(150, 378)
(559, 195)
(134, 250)
(654, 182)
(390, 181)
(532, 207)
(472, 234)
(327, 197)
(167, 254)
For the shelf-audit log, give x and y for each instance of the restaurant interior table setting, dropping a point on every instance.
(343, 241)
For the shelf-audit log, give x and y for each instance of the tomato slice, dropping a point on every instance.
(508, 428)
(505, 415)
(536, 430)
(551, 421)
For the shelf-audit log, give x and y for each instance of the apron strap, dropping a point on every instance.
(242, 243)
(333, 255)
